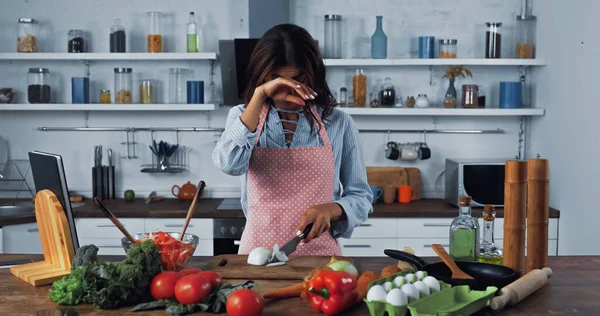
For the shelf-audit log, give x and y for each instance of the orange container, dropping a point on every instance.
(406, 194)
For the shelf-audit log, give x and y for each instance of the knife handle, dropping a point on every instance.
(307, 230)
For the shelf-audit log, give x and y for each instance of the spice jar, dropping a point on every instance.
(480, 97)
(147, 92)
(123, 85)
(76, 41)
(105, 96)
(333, 36)
(525, 36)
(448, 48)
(117, 38)
(387, 94)
(154, 33)
(410, 102)
(422, 101)
(449, 101)
(38, 85)
(27, 36)
(469, 96)
(343, 96)
(374, 103)
(359, 88)
(493, 40)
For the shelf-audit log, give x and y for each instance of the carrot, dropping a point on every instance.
(285, 292)
(362, 285)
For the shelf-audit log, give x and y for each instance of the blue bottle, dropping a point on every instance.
(379, 41)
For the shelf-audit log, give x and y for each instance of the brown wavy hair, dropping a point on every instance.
(290, 45)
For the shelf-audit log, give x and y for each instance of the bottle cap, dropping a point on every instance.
(464, 200)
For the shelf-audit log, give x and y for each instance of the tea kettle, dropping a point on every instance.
(186, 191)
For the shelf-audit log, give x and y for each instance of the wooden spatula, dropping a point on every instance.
(199, 189)
(457, 273)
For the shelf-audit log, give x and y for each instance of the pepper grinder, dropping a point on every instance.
(515, 212)
(538, 209)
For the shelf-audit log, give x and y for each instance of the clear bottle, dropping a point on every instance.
(27, 36)
(359, 88)
(123, 85)
(118, 42)
(343, 96)
(374, 103)
(177, 85)
(464, 233)
(39, 88)
(379, 41)
(526, 27)
(154, 32)
(192, 35)
(387, 93)
(489, 252)
(147, 91)
(493, 40)
(333, 36)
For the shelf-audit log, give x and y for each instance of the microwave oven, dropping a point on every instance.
(481, 179)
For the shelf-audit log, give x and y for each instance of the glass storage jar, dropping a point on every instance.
(493, 40)
(123, 85)
(410, 102)
(177, 85)
(526, 36)
(448, 48)
(387, 93)
(469, 96)
(333, 36)
(480, 97)
(147, 91)
(118, 41)
(422, 101)
(27, 36)
(343, 96)
(39, 88)
(76, 42)
(154, 32)
(105, 96)
(359, 88)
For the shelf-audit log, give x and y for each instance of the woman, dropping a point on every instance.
(299, 158)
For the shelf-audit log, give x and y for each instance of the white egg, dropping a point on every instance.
(422, 287)
(411, 278)
(397, 298)
(421, 275)
(410, 291)
(376, 293)
(432, 283)
(388, 286)
(399, 281)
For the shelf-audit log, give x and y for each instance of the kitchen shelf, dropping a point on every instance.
(434, 62)
(108, 56)
(106, 107)
(441, 112)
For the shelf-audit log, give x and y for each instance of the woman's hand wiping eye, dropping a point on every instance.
(282, 89)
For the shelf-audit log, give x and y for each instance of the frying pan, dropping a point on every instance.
(484, 274)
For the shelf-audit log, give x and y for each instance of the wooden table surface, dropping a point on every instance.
(572, 290)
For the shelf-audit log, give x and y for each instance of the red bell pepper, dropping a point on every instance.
(332, 292)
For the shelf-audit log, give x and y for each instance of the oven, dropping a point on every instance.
(227, 232)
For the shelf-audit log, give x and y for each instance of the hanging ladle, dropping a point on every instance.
(457, 273)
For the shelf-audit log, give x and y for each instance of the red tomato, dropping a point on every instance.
(189, 271)
(212, 277)
(163, 285)
(244, 302)
(192, 289)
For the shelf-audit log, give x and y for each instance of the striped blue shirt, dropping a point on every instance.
(351, 192)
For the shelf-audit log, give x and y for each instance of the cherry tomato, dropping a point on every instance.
(163, 285)
(245, 302)
(212, 277)
(189, 271)
(192, 289)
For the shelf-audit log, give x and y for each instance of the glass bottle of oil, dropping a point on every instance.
(489, 252)
(464, 233)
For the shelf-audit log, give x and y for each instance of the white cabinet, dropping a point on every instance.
(103, 228)
(377, 228)
(23, 238)
(367, 247)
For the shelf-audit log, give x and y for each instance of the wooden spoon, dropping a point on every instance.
(114, 219)
(457, 273)
(190, 213)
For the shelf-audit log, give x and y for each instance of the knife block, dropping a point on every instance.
(57, 245)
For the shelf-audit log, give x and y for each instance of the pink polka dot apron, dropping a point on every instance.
(281, 184)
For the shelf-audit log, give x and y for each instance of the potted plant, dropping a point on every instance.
(451, 73)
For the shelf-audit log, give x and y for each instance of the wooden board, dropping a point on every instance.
(414, 180)
(237, 267)
(382, 176)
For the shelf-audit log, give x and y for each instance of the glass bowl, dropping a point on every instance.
(174, 255)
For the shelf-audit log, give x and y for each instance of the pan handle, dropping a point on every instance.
(405, 256)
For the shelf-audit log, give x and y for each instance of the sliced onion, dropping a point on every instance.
(259, 256)
(279, 254)
(275, 264)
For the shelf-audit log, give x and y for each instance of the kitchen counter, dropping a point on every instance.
(573, 289)
(208, 208)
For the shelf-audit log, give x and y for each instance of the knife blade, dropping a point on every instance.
(291, 246)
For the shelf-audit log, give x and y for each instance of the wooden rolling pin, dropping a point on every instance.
(515, 212)
(538, 209)
(521, 288)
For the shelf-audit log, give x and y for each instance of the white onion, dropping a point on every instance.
(259, 256)
(280, 255)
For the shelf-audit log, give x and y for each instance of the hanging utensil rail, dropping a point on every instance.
(435, 131)
(130, 129)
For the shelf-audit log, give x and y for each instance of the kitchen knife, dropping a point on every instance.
(111, 175)
(94, 175)
(291, 246)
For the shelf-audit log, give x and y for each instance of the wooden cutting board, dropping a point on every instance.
(414, 180)
(237, 267)
(382, 176)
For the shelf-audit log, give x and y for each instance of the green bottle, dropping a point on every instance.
(464, 233)
(192, 34)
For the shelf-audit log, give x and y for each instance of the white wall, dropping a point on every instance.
(403, 20)
(568, 134)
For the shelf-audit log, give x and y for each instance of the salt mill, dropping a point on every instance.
(515, 212)
(538, 209)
